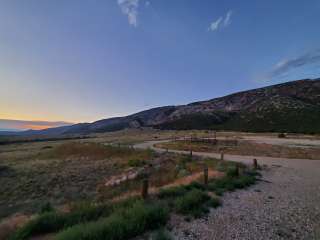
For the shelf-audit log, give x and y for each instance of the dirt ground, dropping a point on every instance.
(255, 146)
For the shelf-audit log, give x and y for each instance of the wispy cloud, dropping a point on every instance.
(227, 19)
(221, 22)
(130, 8)
(215, 24)
(285, 66)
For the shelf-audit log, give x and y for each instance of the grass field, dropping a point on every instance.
(60, 172)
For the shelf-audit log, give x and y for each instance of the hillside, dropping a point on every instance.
(287, 107)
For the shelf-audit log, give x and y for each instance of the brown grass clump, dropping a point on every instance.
(8, 226)
(96, 151)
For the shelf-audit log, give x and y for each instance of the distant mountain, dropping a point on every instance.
(8, 132)
(11, 125)
(287, 107)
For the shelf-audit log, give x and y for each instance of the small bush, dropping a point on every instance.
(122, 224)
(227, 183)
(161, 234)
(172, 192)
(221, 183)
(214, 202)
(232, 172)
(192, 203)
(54, 221)
(195, 185)
(219, 191)
(136, 163)
(46, 207)
(245, 181)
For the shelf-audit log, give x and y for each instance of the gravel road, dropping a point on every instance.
(285, 205)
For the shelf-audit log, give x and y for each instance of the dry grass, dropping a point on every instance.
(8, 226)
(66, 171)
(63, 173)
(246, 148)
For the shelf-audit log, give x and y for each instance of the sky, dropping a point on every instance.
(84, 60)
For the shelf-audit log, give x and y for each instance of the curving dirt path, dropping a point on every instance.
(286, 205)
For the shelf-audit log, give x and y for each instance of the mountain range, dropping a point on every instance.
(288, 107)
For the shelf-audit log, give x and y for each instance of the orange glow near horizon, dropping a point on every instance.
(23, 117)
(38, 127)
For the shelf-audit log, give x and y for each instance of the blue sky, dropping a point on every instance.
(83, 60)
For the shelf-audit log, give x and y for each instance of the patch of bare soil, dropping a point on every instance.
(9, 225)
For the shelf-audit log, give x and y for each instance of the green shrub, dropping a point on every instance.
(195, 185)
(182, 173)
(54, 221)
(214, 202)
(244, 181)
(192, 203)
(172, 192)
(223, 183)
(228, 183)
(161, 234)
(46, 207)
(122, 224)
(219, 191)
(232, 172)
(136, 162)
(44, 223)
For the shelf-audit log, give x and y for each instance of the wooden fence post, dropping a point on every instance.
(205, 175)
(190, 153)
(145, 186)
(255, 163)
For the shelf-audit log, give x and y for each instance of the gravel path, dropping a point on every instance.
(285, 205)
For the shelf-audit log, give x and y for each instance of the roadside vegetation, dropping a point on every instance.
(133, 216)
